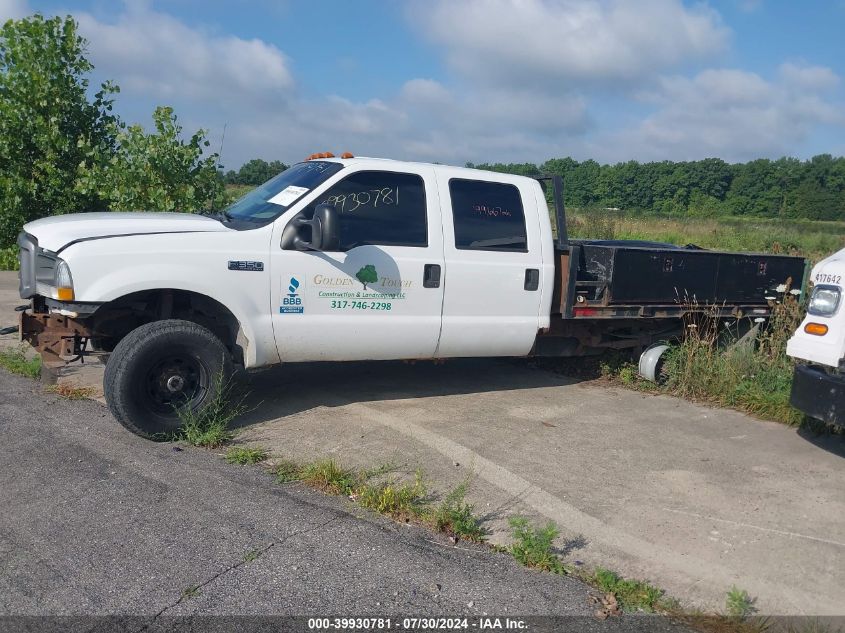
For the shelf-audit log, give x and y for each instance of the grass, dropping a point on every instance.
(533, 547)
(244, 455)
(401, 501)
(813, 239)
(209, 426)
(16, 361)
(191, 592)
(9, 258)
(456, 517)
(738, 604)
(71, 392)
(328, 476)
(252, 555)
(754, 378)
(632, 595)
(286, 471)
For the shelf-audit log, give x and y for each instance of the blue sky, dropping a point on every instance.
(479, 80)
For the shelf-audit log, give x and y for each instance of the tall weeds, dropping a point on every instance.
(807, 238)
(210, 425)
(754, 375)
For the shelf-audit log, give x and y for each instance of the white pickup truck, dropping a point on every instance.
(348, 258)
(818, 387)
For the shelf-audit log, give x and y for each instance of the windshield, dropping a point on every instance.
(274, 197)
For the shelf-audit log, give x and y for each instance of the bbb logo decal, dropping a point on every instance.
(292, 302)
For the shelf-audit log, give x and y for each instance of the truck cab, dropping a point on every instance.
(818, 386)
(429, 261)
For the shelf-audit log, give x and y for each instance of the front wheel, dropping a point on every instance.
(160, 367)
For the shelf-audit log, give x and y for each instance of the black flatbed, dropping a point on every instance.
(624, 279)
(619, 273)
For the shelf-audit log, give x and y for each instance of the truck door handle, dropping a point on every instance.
(532, 278)
(431, 276)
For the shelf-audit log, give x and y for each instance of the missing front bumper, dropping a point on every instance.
(57, 338)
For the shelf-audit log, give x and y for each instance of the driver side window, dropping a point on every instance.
(380, 207)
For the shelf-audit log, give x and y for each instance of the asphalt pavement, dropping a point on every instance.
(96, 521)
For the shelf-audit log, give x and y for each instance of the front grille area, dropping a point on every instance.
(45, 268)
(28, 250)
(37, 266)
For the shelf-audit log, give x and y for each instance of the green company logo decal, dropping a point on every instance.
(367, 275)
(378, 294)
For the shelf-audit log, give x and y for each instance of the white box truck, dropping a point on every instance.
(818, 387)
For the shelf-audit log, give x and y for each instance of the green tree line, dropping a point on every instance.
(254, 172)
(786, 187)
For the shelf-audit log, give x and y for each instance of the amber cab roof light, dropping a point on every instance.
(320, 155)
(329, 155)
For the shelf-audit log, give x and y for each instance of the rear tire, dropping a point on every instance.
(159, 367)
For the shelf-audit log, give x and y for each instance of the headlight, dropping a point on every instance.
(63, 282)
(824, 301)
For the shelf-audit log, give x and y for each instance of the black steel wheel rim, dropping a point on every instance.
(175, 381)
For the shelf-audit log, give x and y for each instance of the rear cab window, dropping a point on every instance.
(488, 216)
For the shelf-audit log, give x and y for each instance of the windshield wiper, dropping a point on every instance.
(221, 216)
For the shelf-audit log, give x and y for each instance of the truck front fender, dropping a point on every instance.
(248, 303)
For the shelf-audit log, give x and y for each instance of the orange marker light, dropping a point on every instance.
(347, 155)
(64, 294)
(819, 329)
(320, 155)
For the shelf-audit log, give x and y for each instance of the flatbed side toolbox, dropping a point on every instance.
(668, 274)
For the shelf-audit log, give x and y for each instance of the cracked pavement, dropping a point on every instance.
(96, 521)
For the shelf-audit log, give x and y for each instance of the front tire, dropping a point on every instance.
(160, 367)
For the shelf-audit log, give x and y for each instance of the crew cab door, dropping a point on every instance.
(379, 296)
(493, 256)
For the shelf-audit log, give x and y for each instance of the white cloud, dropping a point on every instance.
(530, 79)
(808, 77)
(154, 54)
(13, 9)
(713, 89)
(750, 6)
(733, 114)
(585, 40)
(213, 79)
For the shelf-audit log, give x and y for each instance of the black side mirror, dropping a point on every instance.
(329, 232)
(324, 227)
